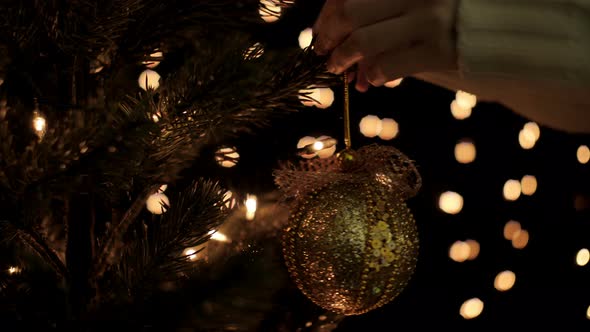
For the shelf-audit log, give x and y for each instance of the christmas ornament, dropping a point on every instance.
(351, 244)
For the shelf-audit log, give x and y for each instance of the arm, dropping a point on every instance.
(532, 56)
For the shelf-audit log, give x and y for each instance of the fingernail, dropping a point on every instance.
(332, 69)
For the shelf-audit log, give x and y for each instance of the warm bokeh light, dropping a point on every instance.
(510, 229)
(533, 130)
(370, 126)
(271, 13)
(459, 251)
(158, 56)
(528, 185)
(162, 188)
(254, 52)
(156, 203)
(465, 152)
(588, 312)
(583, 257)
(14, 270)
(520, 239)
(474, 248)
(305, 38)
(389, 129)
(318, 97)
(305, 141)
(459, 112)
(394, 83)
(512, 190)
(230, 202)
(450, 202)
(466, 99)
(149, 79)
(471, 308)
(583, 154)
(251, 206)
(318, 145)
(227, 157)
(504, 281)
(218, 236)
(526, 139)
(190, 254)
(39, 124)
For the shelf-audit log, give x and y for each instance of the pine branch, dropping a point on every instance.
(156, 254)
(36, 244)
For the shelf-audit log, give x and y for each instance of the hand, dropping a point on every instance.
(387, 39)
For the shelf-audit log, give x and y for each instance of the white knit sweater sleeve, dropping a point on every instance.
(529, 39)
(532, 56)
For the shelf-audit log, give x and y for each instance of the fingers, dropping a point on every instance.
(393, 34)
(393, 64)
(338, 18)
(362, 84)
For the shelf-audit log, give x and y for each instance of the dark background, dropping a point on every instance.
(550, 287)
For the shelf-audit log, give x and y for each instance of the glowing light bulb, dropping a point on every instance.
(450, 202)
(394, 83)
(190, 253)
(520, 239)
(389, 129)
(156, 203)
(504, 281)
(251, 205)
(459, 251)
(512, 190)
(474, 249)
(218, 236)
(39, 124)
(371, 126)
(14, 269)
(305, 38)
(254, 52)
(154, 63)
(459, 112)
(526, 139)
(230, 202)
(318, 146)
(269, 11)
(471, 308)
(510, 229)
(303, 142)
(529, 185)
(465, 152)
(149, 80)
(583, 154)
(227, 157)
(532, 130)
(583, 257)
(465, 99)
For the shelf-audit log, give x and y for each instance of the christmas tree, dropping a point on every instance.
(108, 111)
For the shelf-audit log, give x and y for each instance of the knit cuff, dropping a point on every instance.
(525, 39)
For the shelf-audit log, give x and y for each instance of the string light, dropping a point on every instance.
(510, 229)
(529, 185)
(504, 281)
(532, 130)
(370, 126)
(465, 152)
(474, 249)
(254, 52)
(471, 308)
(520, 239)
(318, 145)
(465, 100)
(450, 202)
(459, 112)
(389, 129)
(512, 190)
(583, 154)
(227, 157)
(157, 203)
(154, 63)
(14, 270)
(190, 253)
(149, 80)
(269, 11)
(459, 251)
(251, 205)
(583, 257)
(39, 124)
(305, 38)
(218, 236)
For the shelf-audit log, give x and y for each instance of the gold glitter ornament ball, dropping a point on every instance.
(351, 247)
